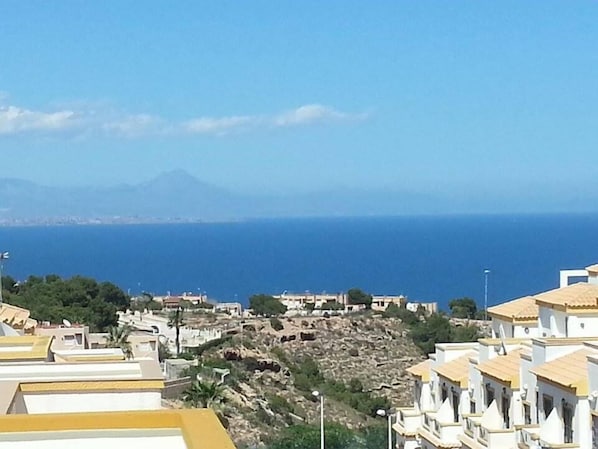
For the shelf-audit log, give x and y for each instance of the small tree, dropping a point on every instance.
(358, 296)
(163, 352)
(204, 395)
(176, 320)
(266, 305)
(118, 337)
(463, 308)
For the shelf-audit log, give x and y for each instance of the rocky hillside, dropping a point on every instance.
(358, 362)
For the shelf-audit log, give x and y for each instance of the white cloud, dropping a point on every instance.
(219, 125)
(108, 122)
(14, 120)
(134, 125)
(308, 114)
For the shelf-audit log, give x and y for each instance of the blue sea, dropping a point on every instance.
(424, 258)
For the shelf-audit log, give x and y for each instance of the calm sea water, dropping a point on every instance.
(425, 258)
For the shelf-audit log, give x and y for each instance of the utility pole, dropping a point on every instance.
(3, 256)
(486, 273)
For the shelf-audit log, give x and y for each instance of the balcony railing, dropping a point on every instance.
(408, 420)
(547, 445)
(443, 430)
(471, 425)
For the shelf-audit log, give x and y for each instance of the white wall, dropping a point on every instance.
(582, 432)
(424, 402)
(44, 440)
(582, 326)
(515, 404)
(528, 387)
(91, 402)
(474, 384)
(514, 330)
(544, 316)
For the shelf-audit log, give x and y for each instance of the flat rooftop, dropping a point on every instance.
(155, 429)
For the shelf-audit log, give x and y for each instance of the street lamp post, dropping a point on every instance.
(3, 257)
(486, 273)
(321, 396)
(388, 414)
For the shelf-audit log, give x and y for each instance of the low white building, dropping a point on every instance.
(158, 325)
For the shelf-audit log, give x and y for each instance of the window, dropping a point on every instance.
(489, 395)
(69, 340)
(505, 403)
(472, 407)
(547, 405)
(455, 407)
(444, 392)
(537, 407)
(568, 422)
(527, 414)
(79, 338)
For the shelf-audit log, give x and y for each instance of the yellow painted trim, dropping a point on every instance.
(496, 341)
(561, 341)
(91, 358)
(527, 320)
(200, 428)
(505, 382)
(578, 388)
(461, 381)
(583, 310)
(92, 385)
(39, 344)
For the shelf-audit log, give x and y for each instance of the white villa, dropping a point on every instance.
(158, 326)
(533, 385)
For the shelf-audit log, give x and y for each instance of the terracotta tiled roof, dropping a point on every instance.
(504, 368)
(522, 309)
(421, 370)
(592, 268)
(14, 316)
(456, 370)
(570, 371)
(581, 294)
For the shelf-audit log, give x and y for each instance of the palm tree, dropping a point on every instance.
(204, 395)
(176, 320)
(118, 337)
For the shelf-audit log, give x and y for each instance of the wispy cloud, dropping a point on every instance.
(16, 120)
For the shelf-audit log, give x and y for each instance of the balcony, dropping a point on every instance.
(529, 437)
(471, 424)
(409, 419)
(444, 431)
(476, 435)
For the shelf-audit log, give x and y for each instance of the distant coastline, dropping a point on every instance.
(135, 220)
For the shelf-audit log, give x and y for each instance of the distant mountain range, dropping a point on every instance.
(178, 196)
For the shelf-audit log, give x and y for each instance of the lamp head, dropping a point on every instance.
(315, 393)
(381, 412)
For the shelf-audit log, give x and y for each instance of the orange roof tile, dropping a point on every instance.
(569, 371)
(581, 294)
(504, 368)
(592, 268)
(456, 370)
(421, 370)
(521, 309)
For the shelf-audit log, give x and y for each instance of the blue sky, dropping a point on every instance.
(496, 98)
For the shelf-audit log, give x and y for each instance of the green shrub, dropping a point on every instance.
(276, 324)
